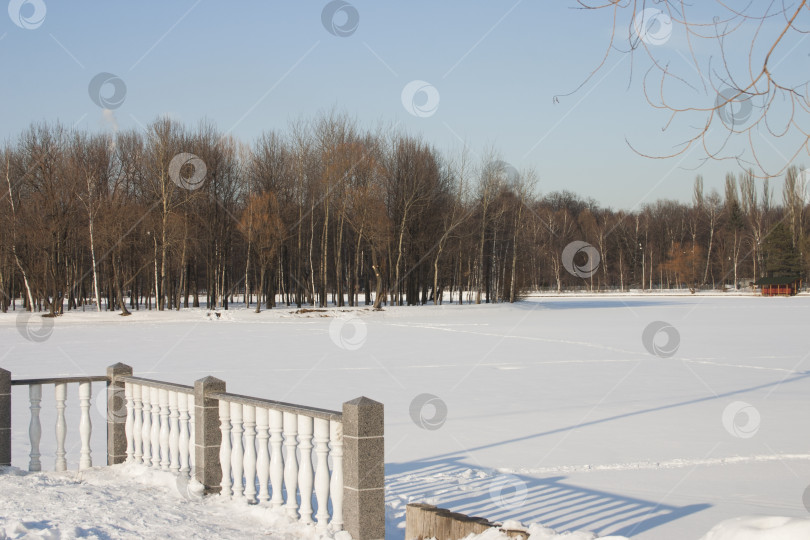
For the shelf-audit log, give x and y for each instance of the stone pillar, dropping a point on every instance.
(207, 436)
(5, 417)
(116, 414)
(364, 469)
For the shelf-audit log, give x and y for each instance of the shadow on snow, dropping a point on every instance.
(448, 482)
(454, 484)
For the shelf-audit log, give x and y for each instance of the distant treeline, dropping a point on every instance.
(328, 213)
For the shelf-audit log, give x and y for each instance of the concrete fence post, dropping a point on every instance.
(116, 414)
(364, 469)
(5, 417)
(207, 436)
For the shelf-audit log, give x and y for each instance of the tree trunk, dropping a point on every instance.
(398, 290)
(157, 283)
(338, 262)
(118, 289)
(378, 296)
(260, 284)
(436, 271)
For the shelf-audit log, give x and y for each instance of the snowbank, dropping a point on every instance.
(133, 501)
(129, 502)
(741, 528)
(538, 532)
(761, 528)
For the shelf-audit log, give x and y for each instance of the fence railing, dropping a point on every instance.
(325, 468)
(159, 424)
(269, 466)
(60, 385)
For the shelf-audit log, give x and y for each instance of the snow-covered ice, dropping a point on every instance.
(760, 528)
(549, 411)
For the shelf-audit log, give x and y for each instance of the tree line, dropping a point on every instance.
(326, 213)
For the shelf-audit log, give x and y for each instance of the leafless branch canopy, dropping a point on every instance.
(720, 69)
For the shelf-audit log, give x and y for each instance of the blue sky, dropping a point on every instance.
(496, 66)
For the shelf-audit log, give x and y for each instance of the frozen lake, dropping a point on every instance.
(559, 410)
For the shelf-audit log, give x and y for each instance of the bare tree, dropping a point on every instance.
(742, 101)
(262, 223)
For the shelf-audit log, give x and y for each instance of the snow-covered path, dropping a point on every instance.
(549, 410)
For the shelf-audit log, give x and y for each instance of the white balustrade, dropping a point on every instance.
(336, 486)
(60, 394)
(146, 431)
(295, 458)
(160, 427)
(137, 426)
(85, 427)
(192, 450)
(164, 428)
(35, 427)
(250, 453)
(322, 472)
(305, 475)
(263, 454)
(174, 433)
(130, 423)
(291, 463)
(279, 458)
(225, 446)
(237, 452)
(154, 435)
(183, 435)
(276, 458)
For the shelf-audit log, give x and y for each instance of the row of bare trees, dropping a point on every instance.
(327, 213)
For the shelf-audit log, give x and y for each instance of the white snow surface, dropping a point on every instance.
(760, 528)
(132, 502)
(550, 411)
(128, 502)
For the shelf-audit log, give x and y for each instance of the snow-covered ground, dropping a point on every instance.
(129, 502)
(560, 410)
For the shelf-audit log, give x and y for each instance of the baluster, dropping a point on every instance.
(192, 450)
(154, 435)
(174, 433)
(137, 424)
(130, 425)
(85, 427)
(35, 427)
(225, 446)
(164, 428)
(305, 469)
(183, 441)
(336, 486)
(250, 453)
(322, 472)
(146, 431)
(291, 463)
(276, 458)
(263, 457)
(60, 392)
(237, 451)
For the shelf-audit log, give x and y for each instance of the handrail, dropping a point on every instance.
(58, 380)
(184, 388)
(314, 412)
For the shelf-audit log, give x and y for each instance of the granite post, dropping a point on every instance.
(207, 436)
(116, 414)
(364, 469)
(5, 417)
